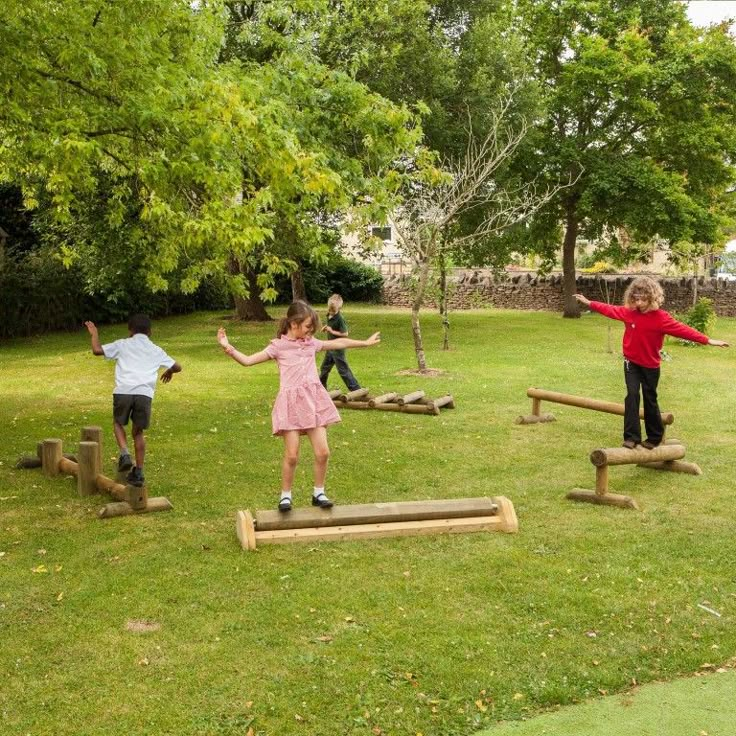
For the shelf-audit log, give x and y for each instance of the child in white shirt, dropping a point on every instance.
(136, 370)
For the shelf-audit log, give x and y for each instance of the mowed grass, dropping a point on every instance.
(435, 635)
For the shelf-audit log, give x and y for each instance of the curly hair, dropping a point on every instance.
(298, 312)
(645, 288)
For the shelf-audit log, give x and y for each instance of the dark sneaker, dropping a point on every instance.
(322, 501)
(125, 463)
(650, 445)
(135, 477)
(629, 444)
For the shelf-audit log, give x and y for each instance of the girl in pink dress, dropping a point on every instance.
(302, 405)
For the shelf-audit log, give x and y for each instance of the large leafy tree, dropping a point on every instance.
(640, 110)
(190, 156)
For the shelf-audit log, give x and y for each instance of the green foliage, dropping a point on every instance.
(596, 266)
(354, 281)
(701, 317)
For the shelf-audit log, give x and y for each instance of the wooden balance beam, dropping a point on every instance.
(659, 458)
(538, 395)
(412, 403)
(371, 521)
(129, 499)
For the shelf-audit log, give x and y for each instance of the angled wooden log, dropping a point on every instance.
(383, 399)
(625, 456)
(123, 508)
(410, 398)
(435, 404)
(584, 402)
(335, 394)
(359, 393)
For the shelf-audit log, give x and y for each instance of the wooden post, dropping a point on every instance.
(94, 434)
(89, 468)
(51, 454)
(137, 497)
(536, 407)
(601, 479)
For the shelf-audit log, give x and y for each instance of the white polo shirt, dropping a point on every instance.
(138, 361)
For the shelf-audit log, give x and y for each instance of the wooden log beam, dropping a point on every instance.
(535, 419)
(359, 393)
(584, 402)
(604, 499)
(355, 532)
(410, 398)
(68, 467)
(371, 513)
(674, 466)
(625, 456)
(383, 399)
(123, 508)
(406, 409)
(117, 490)
(335, 393)
(435, 404)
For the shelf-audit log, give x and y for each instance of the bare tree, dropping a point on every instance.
(424, 221)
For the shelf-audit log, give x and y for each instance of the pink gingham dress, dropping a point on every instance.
(302, 402)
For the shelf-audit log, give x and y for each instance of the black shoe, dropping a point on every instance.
(322, 501)
(650, 445)
(125, 462)
(629, 444)
(285, 504)
(135, 477)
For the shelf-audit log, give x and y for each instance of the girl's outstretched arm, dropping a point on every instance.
(236, 355)
(342, 343)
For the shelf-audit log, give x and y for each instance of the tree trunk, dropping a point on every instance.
(415, 307)
(298, 290)
(443, 305)
(250, 308)
(571, 308)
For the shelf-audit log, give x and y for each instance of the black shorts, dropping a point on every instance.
(132, 406)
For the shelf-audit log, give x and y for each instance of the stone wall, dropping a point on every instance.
(471, 289)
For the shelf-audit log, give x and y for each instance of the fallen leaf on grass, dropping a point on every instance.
(481, 706)
(325, 638)
(60, 597)
(39, 568)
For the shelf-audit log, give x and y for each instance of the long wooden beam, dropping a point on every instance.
(584, 402)
(373, 513)
(625, 456)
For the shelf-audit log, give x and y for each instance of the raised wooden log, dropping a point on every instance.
(604, 499)
(335, 393)
(359, 393)
(383, 399)
(117, 490)
(435, 404)
(410, 398)
(123, 508)
(372, 513)
(584, 402)
(624, 456)
(51, 454)
(535, 419)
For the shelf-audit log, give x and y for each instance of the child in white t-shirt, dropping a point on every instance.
(136, 371)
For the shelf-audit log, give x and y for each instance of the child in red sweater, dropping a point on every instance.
(645, 327)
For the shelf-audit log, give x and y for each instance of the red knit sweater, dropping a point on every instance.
(644, 332)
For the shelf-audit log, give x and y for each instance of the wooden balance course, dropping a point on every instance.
(412, 403)
(371, 521)
(86, 468)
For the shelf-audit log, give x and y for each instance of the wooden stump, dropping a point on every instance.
(89, 468)
(94, 434)
(51, 454)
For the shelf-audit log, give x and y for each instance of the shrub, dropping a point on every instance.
(701, 317)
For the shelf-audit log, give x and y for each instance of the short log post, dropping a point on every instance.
(137, 497)
(94, 434)
(410, 398)
(89, 468)
(383, 399)
(51, 454)
(536, 407)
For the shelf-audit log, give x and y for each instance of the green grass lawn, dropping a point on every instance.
(438, 636)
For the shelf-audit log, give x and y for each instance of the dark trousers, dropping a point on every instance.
(646, 379)
(337, 358)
